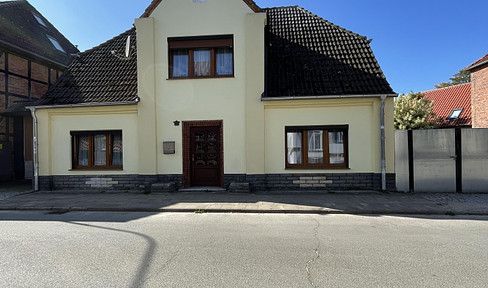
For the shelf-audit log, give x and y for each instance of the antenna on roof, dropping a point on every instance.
(127, 47)
(126, 55)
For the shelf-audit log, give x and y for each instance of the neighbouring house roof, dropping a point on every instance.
(477, 63)
(254, 7)
(99, 75)
(309, 56)
(21, 31)
(448, 99)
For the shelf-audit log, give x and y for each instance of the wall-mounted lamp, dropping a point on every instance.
(176, 123)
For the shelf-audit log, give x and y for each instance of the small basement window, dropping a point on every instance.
(455, 114)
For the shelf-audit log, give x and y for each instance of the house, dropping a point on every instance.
(33, 55)
(479, 91)
(452, 105)
(244, 98)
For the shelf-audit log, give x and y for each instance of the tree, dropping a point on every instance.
(414, 111)
(461, 77)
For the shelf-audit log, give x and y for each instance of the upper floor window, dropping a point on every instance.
(200, 57)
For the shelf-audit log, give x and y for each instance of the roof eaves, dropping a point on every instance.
(483, 60)
(471, 67)
(279, 98)
(36, 55)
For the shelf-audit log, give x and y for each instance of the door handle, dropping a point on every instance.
(453, 157)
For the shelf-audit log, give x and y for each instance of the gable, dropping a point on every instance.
(154, 4)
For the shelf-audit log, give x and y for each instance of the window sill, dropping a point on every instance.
(317, 168)
(197, 78)
(96, 169)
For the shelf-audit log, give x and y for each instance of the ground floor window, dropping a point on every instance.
(316, 147)
(97, 149)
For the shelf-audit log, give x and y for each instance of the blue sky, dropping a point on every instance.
(417, 43)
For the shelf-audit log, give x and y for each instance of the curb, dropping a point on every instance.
(319, 211)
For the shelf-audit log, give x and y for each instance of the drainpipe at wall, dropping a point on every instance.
(382, 129)
(35, 148)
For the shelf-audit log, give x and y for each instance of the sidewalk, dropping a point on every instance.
(370, 202)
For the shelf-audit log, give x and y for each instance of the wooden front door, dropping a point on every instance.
(205, 156)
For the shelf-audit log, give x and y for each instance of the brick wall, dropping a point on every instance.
(479, 96)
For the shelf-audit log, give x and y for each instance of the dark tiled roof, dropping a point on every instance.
(450, 98)
(20, 31)
(309, 56)
(99, 75)
(479, 62)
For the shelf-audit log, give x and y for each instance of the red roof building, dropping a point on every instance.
(452, 105)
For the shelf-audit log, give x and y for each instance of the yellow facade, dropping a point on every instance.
(253, 130)
(55, 126)
(226, 99)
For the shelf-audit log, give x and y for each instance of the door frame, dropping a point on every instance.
(187, 125)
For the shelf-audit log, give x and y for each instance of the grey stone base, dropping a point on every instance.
(107, 182)
(239, 187)
(163, 187)
(233, 182)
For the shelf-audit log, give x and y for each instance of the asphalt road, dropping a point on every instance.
(97, 249)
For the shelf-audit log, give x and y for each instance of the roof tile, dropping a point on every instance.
(309, 56)
(98, 75)
(450, 98)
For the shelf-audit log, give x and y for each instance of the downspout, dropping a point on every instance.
(35, 147)
(382, 130)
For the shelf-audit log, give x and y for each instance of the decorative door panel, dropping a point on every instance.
(205, 153)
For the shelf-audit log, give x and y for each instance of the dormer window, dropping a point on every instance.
(201, 57)
(55, 43)
(455, 114)
(39, 20)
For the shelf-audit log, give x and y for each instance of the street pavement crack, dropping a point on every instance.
(316, 252)
(162, 267)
